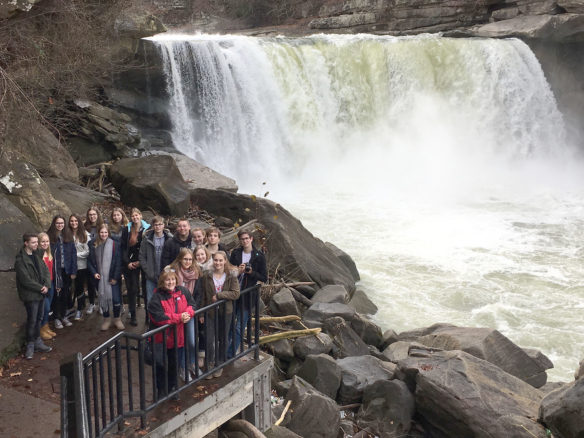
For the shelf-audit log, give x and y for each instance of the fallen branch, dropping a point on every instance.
(284, 412)
(269, 319)
(287, 335)
(299, 283)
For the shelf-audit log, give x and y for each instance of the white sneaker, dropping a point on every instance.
(77, 315)
(58, 324)
(181, 374)
(66, 322)
(90, 309)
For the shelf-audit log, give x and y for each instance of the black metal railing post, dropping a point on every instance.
(74, 418)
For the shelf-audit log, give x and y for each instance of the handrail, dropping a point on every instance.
(93, 396)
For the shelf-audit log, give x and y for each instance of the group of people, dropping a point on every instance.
(177, 274)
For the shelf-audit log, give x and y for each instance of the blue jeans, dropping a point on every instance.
(189, 343)
(150, 286)
(48, 301)
(234, 343)
(34, 315)
(117, 301)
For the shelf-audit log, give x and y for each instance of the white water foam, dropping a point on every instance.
(439, 164)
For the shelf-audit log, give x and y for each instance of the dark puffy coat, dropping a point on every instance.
(172, 248)
(258, 266)
(30, 279)
(230, 290)
(70, 256)
(148, 255)
(115, 272)
(131, 253)
(166, 307)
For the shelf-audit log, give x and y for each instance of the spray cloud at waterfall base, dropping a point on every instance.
(439, 164)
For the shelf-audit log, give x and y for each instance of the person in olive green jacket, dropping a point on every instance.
(33, 281)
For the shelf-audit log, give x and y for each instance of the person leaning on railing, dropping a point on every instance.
(170, 304)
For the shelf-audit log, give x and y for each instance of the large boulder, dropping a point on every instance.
(345, 341)
(492, 346)
(291, 248)
(322, 372)
(23, 186)
(368, 331)
(318, 312)
(198, 176)
(359, 373)
(13, 224)
(283, 303)
(562, 411)
(362, 304)
(306, 402)
(78, 198)
(331, 293)
(152, 182)
(580, 371)
(346, 259)
(310, 345)
(572, 6)
(460, 395)
(387, 410)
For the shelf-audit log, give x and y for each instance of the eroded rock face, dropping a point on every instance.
(198, 176)
(458, 394)
(563, 27)
(312, 345)
(562, 410)
(78, 198)
(322, 372)
(151, 182)
(359, 373)
(24, 187)
(9, 8)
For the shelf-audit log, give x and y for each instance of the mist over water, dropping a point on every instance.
(439, 164)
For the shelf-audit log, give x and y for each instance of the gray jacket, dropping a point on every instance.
(147, 255)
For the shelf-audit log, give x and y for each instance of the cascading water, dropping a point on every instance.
(439, 164)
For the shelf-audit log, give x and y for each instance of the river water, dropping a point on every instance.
(441, 165)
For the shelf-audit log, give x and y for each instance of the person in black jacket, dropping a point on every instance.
(150, 257)
(251, 266)
(33, 281)
(131, 241)
(182, 239)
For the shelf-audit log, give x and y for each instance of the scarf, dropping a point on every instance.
(104, 255)
(187, 278)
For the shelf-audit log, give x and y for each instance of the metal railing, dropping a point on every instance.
(115, 381)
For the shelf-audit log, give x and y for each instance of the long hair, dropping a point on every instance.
(163, 276)
(177, 263)
(53, 233)
(48, 252)
(228, 266)
(116, 227)
(135, 210)
(80, 234)
(98, 223)
(98, 240)
(204, 248)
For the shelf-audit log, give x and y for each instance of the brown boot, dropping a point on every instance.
(119, 324)
(107, 322)
(45, 336)
(49, 331)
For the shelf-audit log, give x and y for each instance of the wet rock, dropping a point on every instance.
(491, 345)
(346, 259)
(368, 331)
(572, 6)
(151, 182)
(360, 372)
(282, 349)
(397, 351)
(580, 371)
(332, 293)
(283, 303)
(389, 337)
(306, 401)
(198, 176)
(387, 410)
(458, 394)
(552, 386)
(306, 290)
(282, 387)
(318, 312)
(322, 372)
(562, 410)
(362, 304)
(293, 367)
(312, 345)
(345, 341)
(280, 432)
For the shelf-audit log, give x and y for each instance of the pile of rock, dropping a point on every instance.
(439, 381)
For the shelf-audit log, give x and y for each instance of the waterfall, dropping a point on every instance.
(281, 103)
